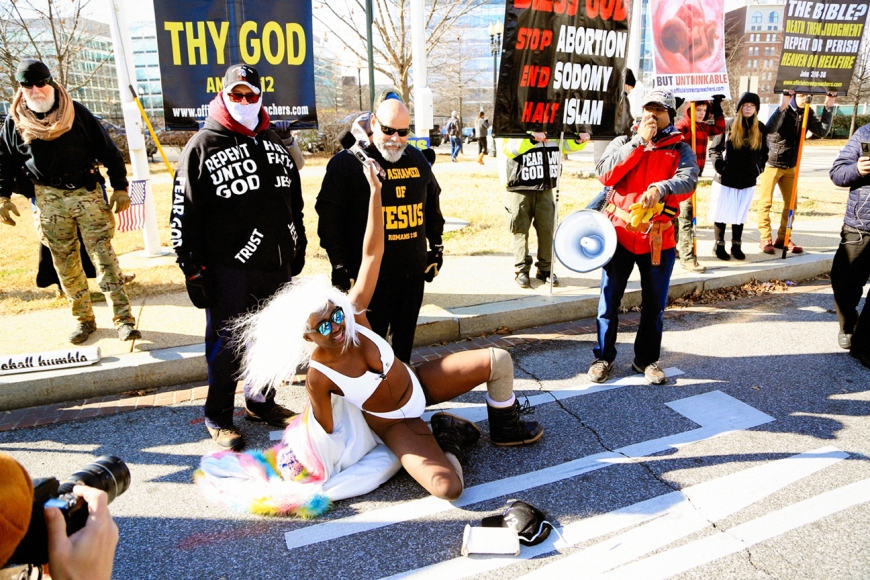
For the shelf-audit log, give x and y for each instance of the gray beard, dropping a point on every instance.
(390, 155)
(41, 106)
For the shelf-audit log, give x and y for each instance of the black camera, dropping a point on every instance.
(107, 473)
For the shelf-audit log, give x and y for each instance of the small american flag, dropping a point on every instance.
(133, 218)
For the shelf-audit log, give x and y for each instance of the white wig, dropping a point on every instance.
(271, 341)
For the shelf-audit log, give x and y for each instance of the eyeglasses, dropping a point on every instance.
(249, 98)
(325, 326)
(39, 84)
(390, 131)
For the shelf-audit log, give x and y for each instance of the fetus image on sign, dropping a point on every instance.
(687, 36)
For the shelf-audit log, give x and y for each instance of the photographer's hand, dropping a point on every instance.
(90, 552)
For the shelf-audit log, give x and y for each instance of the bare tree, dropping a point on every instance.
(53, 31)
(859, 89)
(392, 31)
(453, 79)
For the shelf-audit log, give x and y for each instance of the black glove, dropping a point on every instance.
(341, 278)
(434, 261)
(716, 109)
(195, 279)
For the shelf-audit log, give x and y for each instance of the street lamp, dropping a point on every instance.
(359, 65)
(495, 29)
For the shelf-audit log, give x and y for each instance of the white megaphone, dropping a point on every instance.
(585, 240)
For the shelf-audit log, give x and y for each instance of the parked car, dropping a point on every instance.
(468, 135)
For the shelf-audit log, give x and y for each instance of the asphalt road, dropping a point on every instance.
(752, 462)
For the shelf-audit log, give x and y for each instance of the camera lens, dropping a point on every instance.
(108, 473)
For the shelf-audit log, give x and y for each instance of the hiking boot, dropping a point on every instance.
(719, 249)
(277, 416)
(792, 247)
(454, 434)
(506, 428)
(767, 247)
(844, 340)
(128, 332)
(227, 437)
(652, 372)
(545, 277)
(736, 251)
(599, 371)
(522, 280)
(82, 331)
(692, 266)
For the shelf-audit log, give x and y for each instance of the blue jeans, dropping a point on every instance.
(654, 283)
(455, 146)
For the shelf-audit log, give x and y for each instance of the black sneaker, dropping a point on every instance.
(523, 280)
(82, 331)
(652, 372)
(227, 437)
(599, 371)
(545, 277)
(277, 416)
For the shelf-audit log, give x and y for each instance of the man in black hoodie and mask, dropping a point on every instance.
(236, 225)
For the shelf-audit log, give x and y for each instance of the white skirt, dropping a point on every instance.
(729, 205)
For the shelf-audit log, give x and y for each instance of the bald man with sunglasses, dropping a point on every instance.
(412, 216)
(236, 226)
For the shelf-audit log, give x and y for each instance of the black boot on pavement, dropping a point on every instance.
(523, 280)
(82, 331)
(721, 253)
(128, 332)
(454, 434)
(506, 428)
(545, 277)
(736, 251)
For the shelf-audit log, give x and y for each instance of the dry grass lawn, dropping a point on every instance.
(469, 192)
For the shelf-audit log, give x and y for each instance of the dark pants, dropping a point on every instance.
(394, 309)
(849, 273)
(481, 146)
(235, 292)
(654, 283)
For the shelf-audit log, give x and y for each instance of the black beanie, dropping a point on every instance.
(31, 70)
(629, 78)
(748, 97)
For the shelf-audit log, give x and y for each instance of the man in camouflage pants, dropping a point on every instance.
(56, 141)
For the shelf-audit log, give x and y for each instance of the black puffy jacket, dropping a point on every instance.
(783, 133)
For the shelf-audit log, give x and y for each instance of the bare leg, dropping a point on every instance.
(415, 446)
(455, 374)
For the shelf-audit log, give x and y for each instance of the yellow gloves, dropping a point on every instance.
(641, 215)
(119, 201)
(7, 207)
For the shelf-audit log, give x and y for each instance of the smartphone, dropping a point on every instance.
(865, 149)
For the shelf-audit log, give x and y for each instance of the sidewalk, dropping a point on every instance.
(473, 296)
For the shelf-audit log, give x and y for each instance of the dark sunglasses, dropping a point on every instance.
(390, 131)
(39, 84)
(250, 98)
(325, 326)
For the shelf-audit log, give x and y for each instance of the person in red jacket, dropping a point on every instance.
(709, 121)
(650, 174)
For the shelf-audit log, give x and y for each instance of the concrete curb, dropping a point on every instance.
(186, 364)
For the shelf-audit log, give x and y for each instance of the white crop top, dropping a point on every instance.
(357, 390)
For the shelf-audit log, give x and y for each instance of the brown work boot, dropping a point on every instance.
(277, 416)
(227, 437)
(792, 247)
(767, 247)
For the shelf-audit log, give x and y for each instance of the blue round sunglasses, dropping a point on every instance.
(325, 326)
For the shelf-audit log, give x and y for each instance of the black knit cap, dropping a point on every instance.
(748, 97)
(31, 70)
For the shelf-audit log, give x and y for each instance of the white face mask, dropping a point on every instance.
(245, 114)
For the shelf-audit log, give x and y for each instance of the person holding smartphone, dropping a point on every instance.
(851, 268)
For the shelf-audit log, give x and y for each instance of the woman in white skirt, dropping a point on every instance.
(738, 157)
